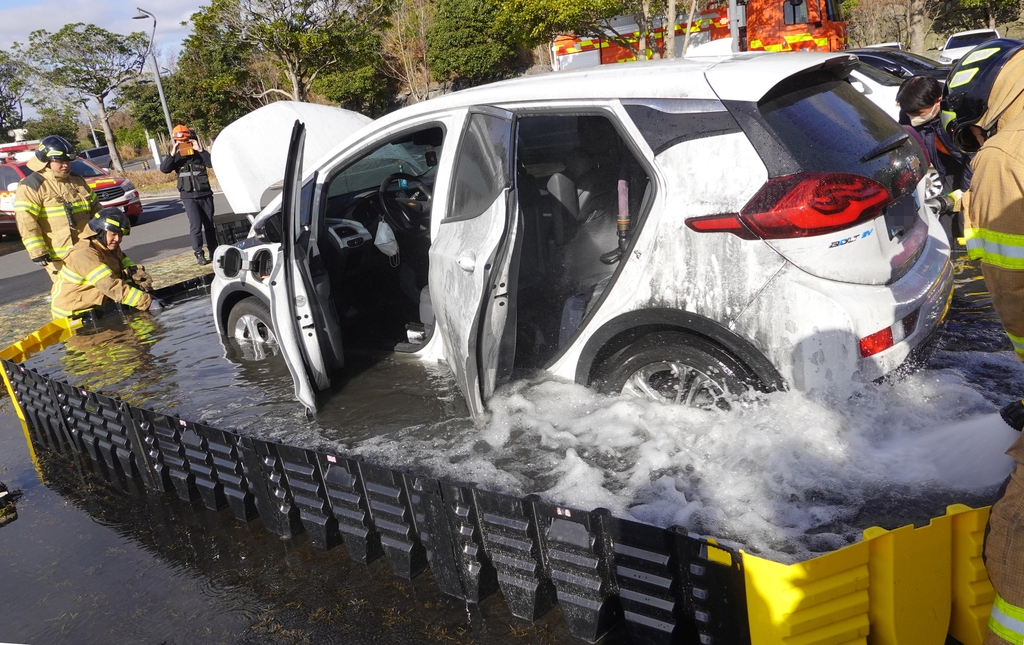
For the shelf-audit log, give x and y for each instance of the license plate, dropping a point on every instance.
(901, 215)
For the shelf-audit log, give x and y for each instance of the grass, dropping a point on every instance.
(156, 180)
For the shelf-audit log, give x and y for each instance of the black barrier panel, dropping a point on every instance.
(347, 497)
(226, 462)
(479, 578)
(201, 466)
(102, 427)
(392, 516)
(41, 408)
(302, 471)
(578, 555)
(179, 291)
(145, 423)
(231, 231)
(714, 590)
(265, 474)
(509, 529)
(167, 451)
(435, 533)
(647, 572)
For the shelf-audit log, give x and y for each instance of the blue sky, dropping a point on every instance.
(18, 18)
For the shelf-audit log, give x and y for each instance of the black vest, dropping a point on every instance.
(192, 176)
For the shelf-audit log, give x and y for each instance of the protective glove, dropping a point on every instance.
(1013, 415)
(958, 197)
(42, 260)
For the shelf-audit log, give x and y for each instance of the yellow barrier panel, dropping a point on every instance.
(902, 587)
(50, 333)
(910, 583)
(972, 591)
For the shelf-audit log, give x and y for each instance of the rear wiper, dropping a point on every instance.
(893, 142)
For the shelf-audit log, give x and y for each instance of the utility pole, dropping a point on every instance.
(142, 15)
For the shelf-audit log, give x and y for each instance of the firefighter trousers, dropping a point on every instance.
(1004, 559)
(200, 223)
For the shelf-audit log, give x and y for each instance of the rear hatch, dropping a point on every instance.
(842, 198)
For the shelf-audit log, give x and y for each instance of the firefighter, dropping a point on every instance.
(53, 205)
(986, 95)
(190, 161)
(97, 271)
(920, 98)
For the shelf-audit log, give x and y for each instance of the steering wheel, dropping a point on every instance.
(405, 215)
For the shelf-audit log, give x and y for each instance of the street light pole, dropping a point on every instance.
(92, 128)
(143, 14)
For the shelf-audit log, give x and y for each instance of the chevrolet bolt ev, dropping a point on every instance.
(680, 230)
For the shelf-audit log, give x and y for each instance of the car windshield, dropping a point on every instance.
(969, 40)
(404, 156)
(876, 75)
(916, 61)
(83, 169)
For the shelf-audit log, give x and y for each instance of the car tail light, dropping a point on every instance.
(801, 205)
(884, 339)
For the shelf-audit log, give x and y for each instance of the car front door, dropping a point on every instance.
(470, 257)
(307, 329)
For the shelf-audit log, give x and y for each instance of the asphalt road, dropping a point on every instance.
(162, 232)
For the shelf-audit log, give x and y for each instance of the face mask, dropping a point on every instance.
(385, 241)
(921, 120)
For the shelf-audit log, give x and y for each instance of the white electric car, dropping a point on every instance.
(680, 230)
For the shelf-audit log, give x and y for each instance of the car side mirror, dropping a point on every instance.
(12, 187)
(860, 87)
(941, 47)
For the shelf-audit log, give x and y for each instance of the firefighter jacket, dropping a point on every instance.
(93, 275)
(52, 212)
(193, 178)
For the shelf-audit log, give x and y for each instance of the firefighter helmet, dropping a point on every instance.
(181, 133)
(55, 148)
(970, 83)
(110, 219)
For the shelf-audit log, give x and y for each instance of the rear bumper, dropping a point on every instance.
(7, 223)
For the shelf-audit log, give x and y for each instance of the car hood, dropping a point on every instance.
(99, 183)
(249, 155)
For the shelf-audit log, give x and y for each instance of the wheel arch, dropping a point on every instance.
(631, 326)
(230, 297)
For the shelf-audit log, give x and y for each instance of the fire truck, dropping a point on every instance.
(739, 25)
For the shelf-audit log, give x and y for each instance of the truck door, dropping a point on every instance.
(471, 253)
(304, 319)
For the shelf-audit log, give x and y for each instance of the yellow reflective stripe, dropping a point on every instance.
(126, 262)
(97, 274)
(133, 297)
(34, 242)
(28, 207)
(1005, 250)
(798, 39)
(979, 55)
(1018, 342)
(1007, 621)
(963, 77)
(71, 276)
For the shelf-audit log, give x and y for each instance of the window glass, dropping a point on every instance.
(414, 154)
(970, 40)
(667, 123)
(481, 171)
(8, 176)
(82, 169)
(876, 75)
(794, 15)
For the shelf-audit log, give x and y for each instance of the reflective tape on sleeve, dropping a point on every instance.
(1007, 621)
(98, 274)
(1004, 250)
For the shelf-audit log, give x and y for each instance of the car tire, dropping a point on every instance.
(249, 321)
(676, 368)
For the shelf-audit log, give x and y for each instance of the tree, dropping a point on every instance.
(361, 83)
(404, 46)
(88, 62)
(59, 117)
(464, 42)
(13, 86)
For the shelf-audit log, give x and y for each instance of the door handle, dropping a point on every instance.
(467, 263)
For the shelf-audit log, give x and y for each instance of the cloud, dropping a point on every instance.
(19, 18)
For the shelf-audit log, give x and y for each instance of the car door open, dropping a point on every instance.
(308, 332)
(470, 256)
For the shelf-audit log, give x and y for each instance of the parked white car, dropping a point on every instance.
(680, 230)
(961, 42)
(880, 88)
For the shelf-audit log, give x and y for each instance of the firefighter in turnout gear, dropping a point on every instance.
(190, 161)
(97, 271)
(986, 94)
(53, 205)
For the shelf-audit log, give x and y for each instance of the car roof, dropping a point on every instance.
(972, 32)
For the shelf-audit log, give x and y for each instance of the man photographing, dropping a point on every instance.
(190, 161)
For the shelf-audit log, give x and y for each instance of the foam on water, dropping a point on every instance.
(788, 475)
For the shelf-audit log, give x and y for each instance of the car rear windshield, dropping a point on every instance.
(828, 126)
(956, 42)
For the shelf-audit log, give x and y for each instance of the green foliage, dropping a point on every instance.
(142, 102)
(356, 81)
(55, 117)
(532, 22)
(84, 60)
(465, 42)
(13, 85)
(133, 135)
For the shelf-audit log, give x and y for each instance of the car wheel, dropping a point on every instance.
(249, 322)
(676, 368)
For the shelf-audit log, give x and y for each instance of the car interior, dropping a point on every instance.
(575, 178)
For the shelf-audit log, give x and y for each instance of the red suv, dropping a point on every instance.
(112, 191)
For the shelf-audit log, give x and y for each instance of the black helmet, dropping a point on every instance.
(55, 148)
(111, 219)
(969, 85)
